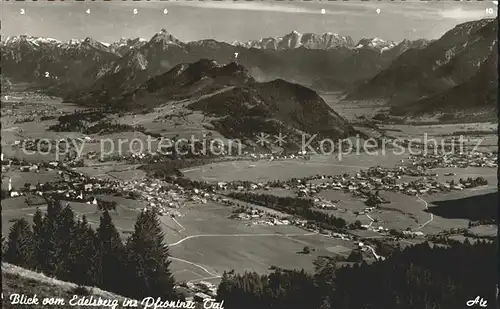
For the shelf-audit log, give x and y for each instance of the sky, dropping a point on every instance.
(239, 20)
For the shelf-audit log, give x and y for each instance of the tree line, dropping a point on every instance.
(67, 248)
(418, 277)
(300, 207)
(424, 276)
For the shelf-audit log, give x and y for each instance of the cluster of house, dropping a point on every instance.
(242, 185)
(375, 178)
(164, 197)
(324, 203)
(260, 218)
(413, 233)
(272, 222)
(386, 179)
(75, 186)
(30, 110)
(32, 144)
(63, 149)
(224, 155)
(471, 159)
(200, 291)
(158, 194)
(340, 236)
(274, 156)
(308, 226)
(24, 166)
(365, 211)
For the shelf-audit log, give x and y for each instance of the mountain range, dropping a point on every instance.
(305, 58)
(407, 74)
(296, 39)
(48, 62)
(458, 71)
(292, 40)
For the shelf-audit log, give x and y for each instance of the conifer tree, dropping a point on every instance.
(4, 246)
(112, 255)
(38, 234)
(84, 255)
(147, 260)
(224, 290)
(19, 247)
(63, 236)
(46, 255)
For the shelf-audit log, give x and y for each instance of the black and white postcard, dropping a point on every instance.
(249, 154)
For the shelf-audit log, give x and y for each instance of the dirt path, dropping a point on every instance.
(426, 207)
(213, 275)
(239, 235)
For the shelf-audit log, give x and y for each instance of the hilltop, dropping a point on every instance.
(236, 104)
(449, 74)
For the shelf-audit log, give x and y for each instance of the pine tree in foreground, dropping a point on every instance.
(84, 255)
(38, 241)
(148, 260)
(112, 256)
(64, 228)
(19, 248)
(4, 246)
(45, 239)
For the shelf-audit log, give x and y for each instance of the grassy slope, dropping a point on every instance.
(22, 281)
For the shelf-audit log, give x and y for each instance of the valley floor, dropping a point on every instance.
(205, 241)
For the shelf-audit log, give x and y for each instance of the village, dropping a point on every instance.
(161, 196)
(27, 112)
(168, 197)
(375, 178)
(472, 159)
(165, 196)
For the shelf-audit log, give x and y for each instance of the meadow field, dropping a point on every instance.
(203, 240)
(264, 171)
(206, 236)
(19, 179)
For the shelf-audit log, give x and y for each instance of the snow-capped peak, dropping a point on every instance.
(375, 43)
(47, 40)
(33, 40)
(124, 45)
(75, 41)
(296, 39)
